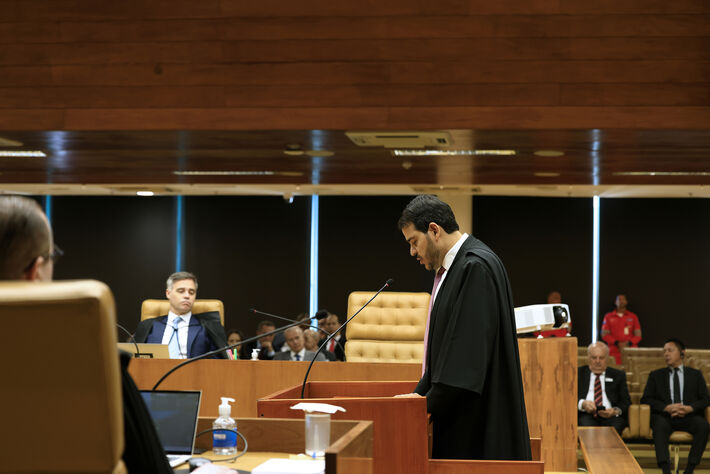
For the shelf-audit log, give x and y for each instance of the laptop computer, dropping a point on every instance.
(174, 414)
(147, 351)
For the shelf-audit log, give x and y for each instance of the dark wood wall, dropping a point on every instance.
(230, 64)
(252, 252)
(546, 245)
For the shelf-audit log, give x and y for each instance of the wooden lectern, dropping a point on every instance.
(400, 425)
(400, 431)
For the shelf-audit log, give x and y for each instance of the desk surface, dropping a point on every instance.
(245, 463)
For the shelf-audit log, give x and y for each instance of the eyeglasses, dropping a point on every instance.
(54, 255)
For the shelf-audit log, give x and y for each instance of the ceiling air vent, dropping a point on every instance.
(400, 139)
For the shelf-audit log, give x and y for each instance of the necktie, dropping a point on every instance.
(437, 280)
(297, 356)
(174, 343)
(331, 345)
(598, 397)
(676, 386)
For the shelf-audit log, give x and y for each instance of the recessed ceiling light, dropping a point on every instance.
(546, 174)
(401, 152)
(145, 193)
(315, 153)
(548, 153)
(8, 142)
(238, 173)
(661, 173)
(22, 154)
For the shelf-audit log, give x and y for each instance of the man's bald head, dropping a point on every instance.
(25, 240)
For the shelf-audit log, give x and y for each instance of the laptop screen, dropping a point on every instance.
(174, 415)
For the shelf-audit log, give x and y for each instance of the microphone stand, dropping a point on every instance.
(226, 348)
(133, 339)
(303, 386)
(256, 311)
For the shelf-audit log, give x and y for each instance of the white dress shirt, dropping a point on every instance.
(448, 260)
(182, 331)
(590, 392)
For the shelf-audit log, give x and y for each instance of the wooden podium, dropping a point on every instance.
(400, 426)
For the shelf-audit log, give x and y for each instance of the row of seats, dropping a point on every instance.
(638, 362)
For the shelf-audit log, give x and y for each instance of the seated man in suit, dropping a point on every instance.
(294, 339)
(337, 344)
(678, 397)
(265, 344)
(603, 393)
(187, 335)
(312, 341)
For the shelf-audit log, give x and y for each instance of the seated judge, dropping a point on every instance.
(312, 342)
(678, 397)
(187, 335)
(297, 350)
(603, 393)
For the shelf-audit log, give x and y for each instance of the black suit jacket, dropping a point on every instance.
(658, 390)
(616, 389)
(209, 321)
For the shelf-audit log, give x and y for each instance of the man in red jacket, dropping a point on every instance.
(621, 328)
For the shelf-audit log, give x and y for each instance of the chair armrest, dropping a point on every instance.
(634, 420)
(645, 421)
(707, 414)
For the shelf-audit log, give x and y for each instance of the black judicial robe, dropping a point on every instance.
(473, 384)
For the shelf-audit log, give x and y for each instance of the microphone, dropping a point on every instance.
(221, 349)
(133, 339)
(305, 379)
(322, 314)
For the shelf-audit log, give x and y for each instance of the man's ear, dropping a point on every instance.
(434, 229)
(167, 293)
(32, 274)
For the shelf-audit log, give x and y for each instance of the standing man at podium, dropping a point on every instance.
(471, 369)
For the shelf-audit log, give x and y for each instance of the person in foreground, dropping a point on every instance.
(678, 397)
(471, 369)
(187, 335)
(600, 386)
(26, 237)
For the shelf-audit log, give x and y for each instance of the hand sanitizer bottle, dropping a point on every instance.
(224, 442)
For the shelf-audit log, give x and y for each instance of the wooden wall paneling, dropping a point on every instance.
(549, 369)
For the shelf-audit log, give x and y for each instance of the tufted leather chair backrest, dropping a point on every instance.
(390, 329)
(155, 308)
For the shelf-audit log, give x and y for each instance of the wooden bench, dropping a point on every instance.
(604, 451)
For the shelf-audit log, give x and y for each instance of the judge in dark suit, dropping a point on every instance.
(471, 378)
(297, 350)
(599, 385)
(187, 335)
(678, 397)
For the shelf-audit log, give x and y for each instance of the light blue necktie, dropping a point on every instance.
(174, 343)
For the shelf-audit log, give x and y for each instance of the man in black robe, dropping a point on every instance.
(471, 377)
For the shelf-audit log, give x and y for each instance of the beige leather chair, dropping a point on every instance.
(390, 329)
(155, 308)
(61, 394)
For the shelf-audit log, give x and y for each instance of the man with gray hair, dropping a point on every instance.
(603, 393)
(294, 339)
(187, 335)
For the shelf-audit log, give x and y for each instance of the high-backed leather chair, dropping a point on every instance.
(155, 308)
(390, 329)
(61, 394)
